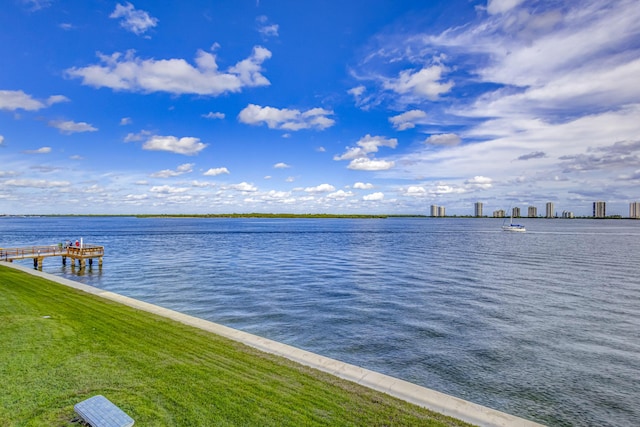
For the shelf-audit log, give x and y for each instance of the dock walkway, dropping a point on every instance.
(39, 253)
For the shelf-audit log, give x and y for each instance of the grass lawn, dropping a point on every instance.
(59, 346)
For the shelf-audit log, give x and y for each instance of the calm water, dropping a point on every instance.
(544, 325)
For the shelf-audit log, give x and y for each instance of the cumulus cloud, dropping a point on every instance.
(416, 191)
(360, 155)
(363, 186)
(41, 150)
(1, 139)
(135, 137)
(126, 72)
(212, 115)
(125, 121)
(479, 182)
(425, 83)
(367, 145)
(281, 166)
(339, 195)
(322, 188)
(186, 145)
(132, 19)
(286, 119)
(216, 172)
(408, 119)
(68, 127)
(373, 197)
(366, 164)
(449, 139)
(167, 189)
(12, 100)
(244, 187)
(168, 173)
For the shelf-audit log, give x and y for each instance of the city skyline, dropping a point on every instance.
(372, 107)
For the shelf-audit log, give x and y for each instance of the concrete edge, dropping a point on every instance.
(404, 390)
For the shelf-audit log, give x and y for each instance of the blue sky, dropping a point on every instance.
(359, 106)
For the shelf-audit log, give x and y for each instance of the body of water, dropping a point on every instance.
(544, 325)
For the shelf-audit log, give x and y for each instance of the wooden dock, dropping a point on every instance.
(82, 254)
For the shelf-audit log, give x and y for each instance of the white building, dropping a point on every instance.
(599, 209)
(550, 211)
(478, 209)
(532, 212)
(634, 210)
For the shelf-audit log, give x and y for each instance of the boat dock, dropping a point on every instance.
(83, 254)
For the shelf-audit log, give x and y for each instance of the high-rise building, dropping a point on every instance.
(634, 210)
(532, 212)
(499, 213)
(515, 212)
(478, 209)
(599, 209)
(434, 210)
(441, 211)
(550, 213)
(568, 214)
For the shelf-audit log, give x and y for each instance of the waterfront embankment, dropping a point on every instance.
(63, 345)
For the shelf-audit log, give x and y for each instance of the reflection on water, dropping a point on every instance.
(544, 325)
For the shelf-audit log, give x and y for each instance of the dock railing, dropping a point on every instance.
(38, 253)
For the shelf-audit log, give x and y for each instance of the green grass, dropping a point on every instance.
(59, 346)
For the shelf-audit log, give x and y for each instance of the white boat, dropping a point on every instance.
(513, 227)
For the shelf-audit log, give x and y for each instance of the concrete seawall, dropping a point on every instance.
(421, 396)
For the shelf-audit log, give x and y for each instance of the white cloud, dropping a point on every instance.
(443, 139)
(244, 187)
(125, 121)
(281, 166)
(269, 30)
(135, 137)
(1, 139)
(136, 21)
(366, 164)
(322, 188)
(167, 189)
(12, 100)
(373, 197)
(416, 191)
(212, 115)
(68, 127)
(287, 119)
(501, 6)
(35, 5)
(339, 195)
(216, 172)
(408, 120)
(41, 150)
(425, 83)
(480, 182)
(366, 145)
(129, 73)
(36, 183)
(357, 91)
(186, 145)
(202, 184)
(363, 186)
(168, 173)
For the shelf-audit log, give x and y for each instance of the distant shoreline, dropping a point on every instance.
(300, 216)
